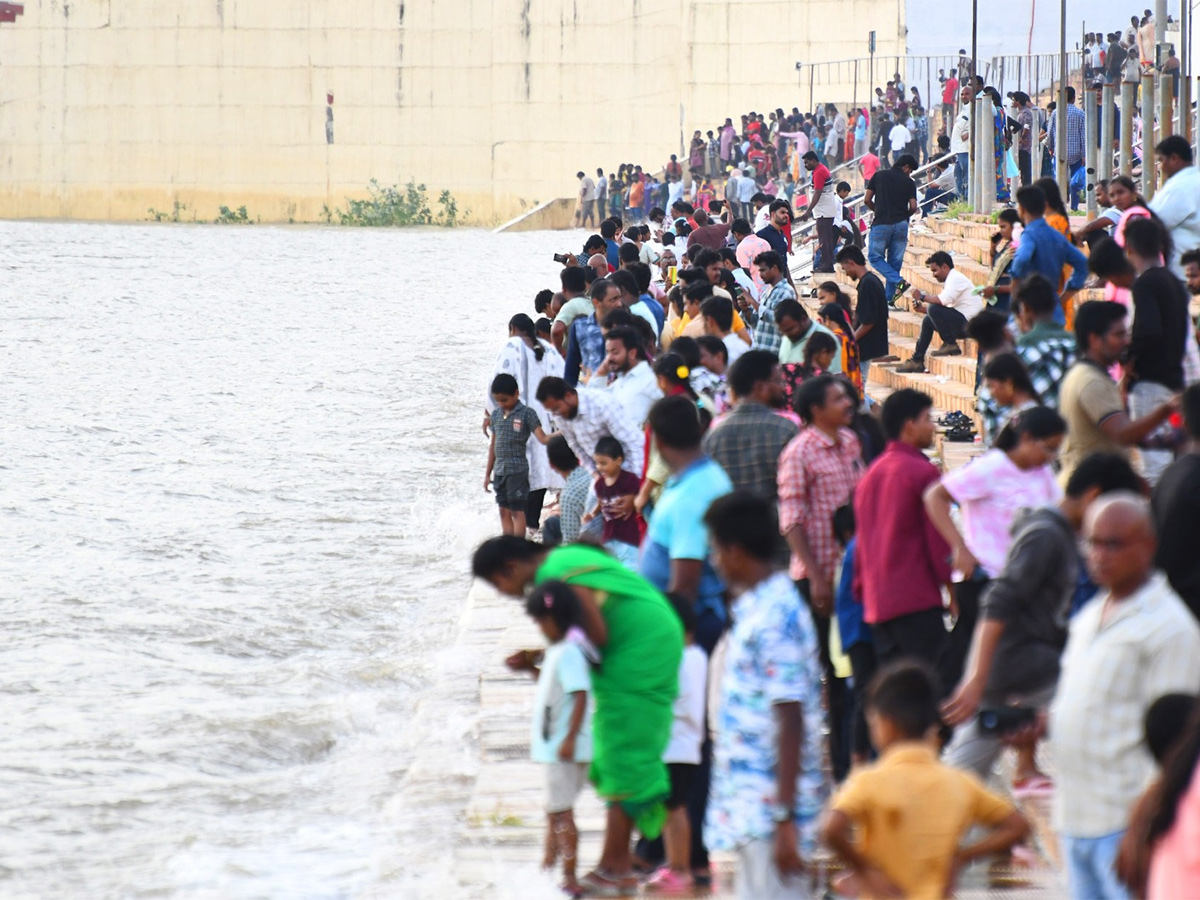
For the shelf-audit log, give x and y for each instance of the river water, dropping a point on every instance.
(242, 475)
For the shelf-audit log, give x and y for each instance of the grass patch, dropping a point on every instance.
(396, 207)
(227, 216)
(958, 209)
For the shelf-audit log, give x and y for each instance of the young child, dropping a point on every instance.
(561, 734)
(507, 465)
(683, 758)
(910, 810)
(818, 354)
(854, 634)
(613, 484)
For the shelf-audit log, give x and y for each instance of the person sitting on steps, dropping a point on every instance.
(946, 313)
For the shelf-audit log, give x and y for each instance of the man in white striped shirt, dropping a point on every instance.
(1129, 646)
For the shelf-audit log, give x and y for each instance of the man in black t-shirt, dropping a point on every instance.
(892, 196)
(1154, 359)
(870, 312)
(1176, 506)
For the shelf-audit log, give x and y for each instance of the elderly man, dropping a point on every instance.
(1133, 643)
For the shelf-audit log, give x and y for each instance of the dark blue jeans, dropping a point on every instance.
(934, 195)
(886, 253)
(961, 162)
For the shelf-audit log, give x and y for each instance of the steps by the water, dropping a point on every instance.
(949, 380)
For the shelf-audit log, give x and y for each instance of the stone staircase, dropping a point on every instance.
(950, 380)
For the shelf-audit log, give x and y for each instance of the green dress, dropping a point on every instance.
(635, 685)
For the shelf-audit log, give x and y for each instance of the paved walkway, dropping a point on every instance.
(498, 843)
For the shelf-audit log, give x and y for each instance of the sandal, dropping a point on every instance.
(961, 434)
(600, 884)
(950, 419)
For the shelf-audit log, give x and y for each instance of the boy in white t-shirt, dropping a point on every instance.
(683, 757)
(946, 312)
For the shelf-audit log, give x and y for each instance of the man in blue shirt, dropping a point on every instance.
(612, 251)
(585, 340)
(1044, 250)
(675, 553)
(1076, 140)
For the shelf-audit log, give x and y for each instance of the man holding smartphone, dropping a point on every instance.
(946, 313)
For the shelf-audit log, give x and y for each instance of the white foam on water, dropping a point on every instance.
(241, 482)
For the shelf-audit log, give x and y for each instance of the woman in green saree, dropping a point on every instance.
(634, 687)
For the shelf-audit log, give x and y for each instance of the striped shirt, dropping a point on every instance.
(816, 476)
(767, 335)
(1112, 671)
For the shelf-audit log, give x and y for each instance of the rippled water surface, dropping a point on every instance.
(242, 472)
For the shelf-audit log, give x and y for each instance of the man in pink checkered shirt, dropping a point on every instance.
(818, 471)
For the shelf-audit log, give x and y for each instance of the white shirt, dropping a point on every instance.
(1177, 203)
(601, 185)
(637, 389)
(899, 136)
(945, 181)
(587, 189)
(674, 192)
(762, 218)
(958, 293)
(642, 311)
(960, 134)
(687, 728)
(1111, 673)
(734, 346)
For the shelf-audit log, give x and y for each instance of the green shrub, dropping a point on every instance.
(395, 206)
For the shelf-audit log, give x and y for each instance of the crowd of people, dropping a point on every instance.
(774, 624)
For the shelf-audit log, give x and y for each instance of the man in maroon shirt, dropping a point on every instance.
(902, 562)
(708, 234)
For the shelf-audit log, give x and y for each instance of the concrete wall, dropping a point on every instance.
(111, 107)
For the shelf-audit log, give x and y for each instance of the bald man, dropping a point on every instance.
(1133, 643)
(599, 264)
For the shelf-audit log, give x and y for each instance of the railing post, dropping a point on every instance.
(1149, 179)
(1166, 111)
(1035, 144)
(1128, 101)
(1105, 158)
(985, 155)
(1092, 131)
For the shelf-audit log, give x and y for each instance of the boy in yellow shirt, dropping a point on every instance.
(910, 811)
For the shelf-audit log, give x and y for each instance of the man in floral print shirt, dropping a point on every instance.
(767, 782)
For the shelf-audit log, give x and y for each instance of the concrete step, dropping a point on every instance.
(947, 395)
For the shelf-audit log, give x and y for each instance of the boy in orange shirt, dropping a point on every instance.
(910, 811)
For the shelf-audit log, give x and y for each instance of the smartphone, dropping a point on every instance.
(561, 258)
(1004, 719)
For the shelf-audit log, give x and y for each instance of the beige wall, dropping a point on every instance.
(111, 107)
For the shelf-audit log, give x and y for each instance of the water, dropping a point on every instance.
(242, 473)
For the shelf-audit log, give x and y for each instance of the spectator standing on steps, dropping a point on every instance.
(870, 311)
(1177, 202)
(1044, 250)
(960, 139)
(892, 195)
(823, 207)
(946, 313)
(1154, 360)
(1090, 400)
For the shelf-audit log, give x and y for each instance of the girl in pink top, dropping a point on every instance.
(1175, 823)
